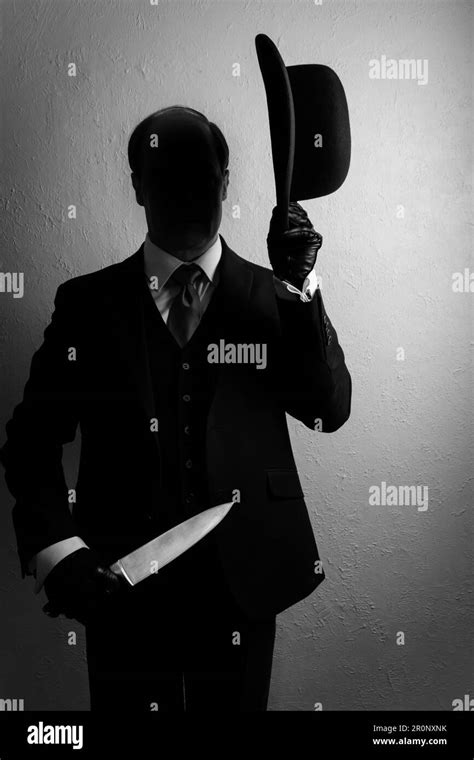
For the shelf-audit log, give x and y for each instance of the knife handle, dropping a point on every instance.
(119, 569)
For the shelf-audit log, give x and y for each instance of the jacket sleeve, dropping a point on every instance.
(41, 423)
(312, 381)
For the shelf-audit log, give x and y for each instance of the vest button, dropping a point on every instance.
(185, 365)
(188, 499)
(186, 397)
(187, 430)
(189, 463)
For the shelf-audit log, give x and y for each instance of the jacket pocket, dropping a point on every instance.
(284, 484)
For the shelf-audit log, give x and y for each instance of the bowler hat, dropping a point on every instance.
(309, 127)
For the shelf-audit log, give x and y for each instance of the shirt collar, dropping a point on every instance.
(161, 264)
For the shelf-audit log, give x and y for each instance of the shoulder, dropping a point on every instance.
(86, 285)
(258, 271)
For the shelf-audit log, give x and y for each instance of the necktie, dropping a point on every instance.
(185, 311)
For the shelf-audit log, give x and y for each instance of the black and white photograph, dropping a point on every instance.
(236, 430)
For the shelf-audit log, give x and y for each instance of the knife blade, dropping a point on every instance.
(158, 552)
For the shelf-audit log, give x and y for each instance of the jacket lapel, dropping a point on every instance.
(125, 309)
(233, 290)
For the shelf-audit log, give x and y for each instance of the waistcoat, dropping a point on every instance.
(183, 384)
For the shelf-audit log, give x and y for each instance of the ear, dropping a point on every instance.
(225, 184)
(138, 189)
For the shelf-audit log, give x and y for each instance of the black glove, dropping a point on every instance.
(79, 585)
(293, 252)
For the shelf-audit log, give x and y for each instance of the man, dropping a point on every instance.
(179, 365)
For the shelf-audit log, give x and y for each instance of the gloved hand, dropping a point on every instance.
(79, 585)
(293, 252)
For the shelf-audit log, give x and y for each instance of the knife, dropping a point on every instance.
(141, 563)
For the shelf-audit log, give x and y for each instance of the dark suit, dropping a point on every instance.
(265, 545)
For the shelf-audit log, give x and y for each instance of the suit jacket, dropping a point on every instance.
(91, 371)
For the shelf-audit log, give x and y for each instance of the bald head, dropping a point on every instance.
(181, 136)
(179, 179)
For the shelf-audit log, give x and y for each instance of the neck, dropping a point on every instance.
(187, 253)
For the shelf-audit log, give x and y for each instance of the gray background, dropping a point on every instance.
(386, 281)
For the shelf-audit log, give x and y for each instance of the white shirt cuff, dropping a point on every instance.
(44, 561)
(310, 286)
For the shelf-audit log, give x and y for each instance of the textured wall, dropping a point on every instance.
(386, 281)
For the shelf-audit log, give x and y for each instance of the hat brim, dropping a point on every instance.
(281, 118)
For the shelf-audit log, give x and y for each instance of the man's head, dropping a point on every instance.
(179, 172)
